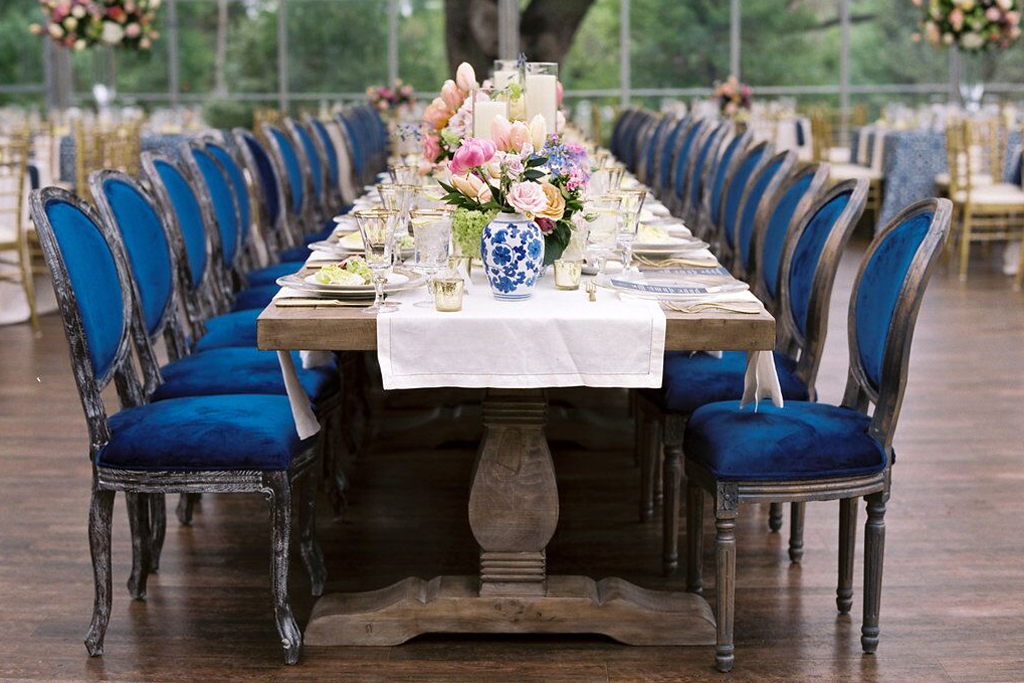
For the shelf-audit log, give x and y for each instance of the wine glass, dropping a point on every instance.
(632, 203)
(603, 215)
(377, 228)
(400, 198)
(432, 231)
(404, 175)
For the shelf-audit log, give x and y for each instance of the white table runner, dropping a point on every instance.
(554, 339)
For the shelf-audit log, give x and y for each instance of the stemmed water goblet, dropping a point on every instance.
(632, 203)
(432, 232)
(405, 175)
(603, 215)
(377, 228)
(400, 198)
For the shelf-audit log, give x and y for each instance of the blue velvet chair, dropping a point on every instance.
(293, 167)
(223, 444)
(758, 196)
(708, 143)
(324, 148)
(680, 160)
(813, 248)
(651, 146)
(742, 168)
(731, 147)
(663, 163)
(267, 185)
(811, 451)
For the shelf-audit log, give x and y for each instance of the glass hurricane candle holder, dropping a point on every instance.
(541, 83)
(506, 73)
(488, 104)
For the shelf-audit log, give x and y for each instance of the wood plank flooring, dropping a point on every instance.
(953, 600)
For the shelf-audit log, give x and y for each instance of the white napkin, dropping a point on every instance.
(306, 423)
(761, 380)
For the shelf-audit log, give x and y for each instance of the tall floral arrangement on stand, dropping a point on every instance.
(393, 99)
(970, 25)
(733, 98)
(80, 24)
(519, 170)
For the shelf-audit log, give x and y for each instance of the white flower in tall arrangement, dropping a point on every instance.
(971, 25)
(80, 24)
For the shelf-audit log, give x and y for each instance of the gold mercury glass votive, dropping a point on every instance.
(448, 294)
(461, 263)
(567, 274)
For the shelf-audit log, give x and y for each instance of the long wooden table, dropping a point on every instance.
(513, 512)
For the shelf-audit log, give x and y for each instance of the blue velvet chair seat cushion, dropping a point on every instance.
(300, 253)
(255, 297)
(230, 329)
(204, 433)
(269, 274)
(239, 371)
(801, 441)
(693, 380)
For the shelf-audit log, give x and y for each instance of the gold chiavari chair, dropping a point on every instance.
(14, 234)
(101, 146)
(983, 212)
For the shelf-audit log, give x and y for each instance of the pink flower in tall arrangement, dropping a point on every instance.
(473, 152)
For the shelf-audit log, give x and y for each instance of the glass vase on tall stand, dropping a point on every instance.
(967, 72)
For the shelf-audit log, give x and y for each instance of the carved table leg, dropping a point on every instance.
(513, 512)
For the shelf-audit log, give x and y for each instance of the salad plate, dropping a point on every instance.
(336, 282)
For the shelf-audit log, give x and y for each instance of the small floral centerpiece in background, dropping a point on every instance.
(733, 98)
(970, 25)
(79, 24)
(519, 170)
(385, 99)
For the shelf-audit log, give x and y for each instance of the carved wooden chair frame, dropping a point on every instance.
(764, 148)
(280, 233)
(359, 176)
(139, 486)
(224, 144)
(787, 160)
(302, 218)
(690, 133)
(321, 138)
(887, 399)
(663, 156)
(653, 139)
(321, 206)
(709, 228)
(706, 144)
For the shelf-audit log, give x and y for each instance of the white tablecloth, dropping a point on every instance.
(554, 339)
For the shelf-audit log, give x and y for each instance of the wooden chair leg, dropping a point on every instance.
(874, 549)
(774, 517)
(725, 587)
(28, 282)
(138, 522)
(796, 531)
(649, 447)
(309, 546)
(670, 510)
(186, 506)
(158, 529)
(279, 495)
(694, 538)
(100, 513)
(965, 245)
(847, 549)
(1018, 280)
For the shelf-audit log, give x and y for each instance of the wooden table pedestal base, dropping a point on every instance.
(453, 604)
(513, 512)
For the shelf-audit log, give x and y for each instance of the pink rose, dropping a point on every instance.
(436, 114)
(500, 130)
(471, 153)
(133, 31)
(514, 166)
(465, 77)
(527, 197)
(992, 14)
(451, 95)
(546, 225)
(518, 135)
(431, 147)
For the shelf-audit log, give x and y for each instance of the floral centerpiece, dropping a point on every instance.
(449, 117)
(519, 170)
(970, 25)
(79, 24)
(385, 99)
(733, 98)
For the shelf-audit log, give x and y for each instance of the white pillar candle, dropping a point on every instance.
(504, 77)
(542, 98)
(484, 112)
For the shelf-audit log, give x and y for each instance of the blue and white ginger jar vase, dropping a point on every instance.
(512, 249)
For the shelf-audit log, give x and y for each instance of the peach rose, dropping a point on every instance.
(556, 202)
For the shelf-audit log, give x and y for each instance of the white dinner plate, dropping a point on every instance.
(399, 280)
(395, 279)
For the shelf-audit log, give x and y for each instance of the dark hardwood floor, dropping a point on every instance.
(953, 599)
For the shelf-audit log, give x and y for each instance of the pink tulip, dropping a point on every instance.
(452, 96)
(560, 91)
(518, 135)
(471, 153)
(500, 130)
(465, 77)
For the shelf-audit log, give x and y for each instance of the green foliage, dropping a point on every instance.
(467, 228)
(228, 114)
